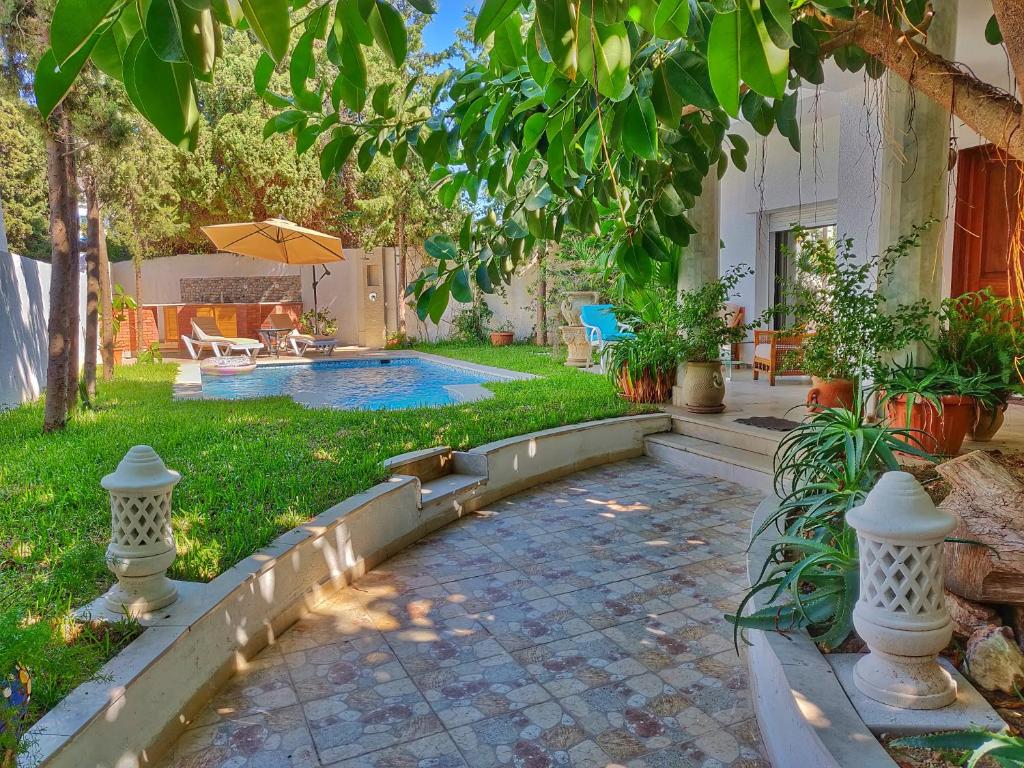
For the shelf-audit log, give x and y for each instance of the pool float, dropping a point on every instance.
(227, 366)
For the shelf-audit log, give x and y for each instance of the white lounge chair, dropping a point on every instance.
(206, 335)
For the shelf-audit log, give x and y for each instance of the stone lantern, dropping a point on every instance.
(141, 540)
(901, 612)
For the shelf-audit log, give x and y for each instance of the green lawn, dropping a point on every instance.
(250, 470)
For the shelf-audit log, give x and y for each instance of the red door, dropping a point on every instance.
(987, 208)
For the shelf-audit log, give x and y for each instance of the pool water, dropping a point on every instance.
(377, 384)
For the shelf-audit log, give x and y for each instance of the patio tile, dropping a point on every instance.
(541, 735)
(632, 717)
(423, 607)
(521, 551)
(669, 639)
(278, 738)
(328, 623)
(437, 751)
(616, 603)
(599, 536)
(351, 724)
(342, 668)
(578, 663)
(717, 685)
(479, 690)
(450, 565)
(449, 643)
(483, 593)
(540, 621)
(580, 572)
(264, 685)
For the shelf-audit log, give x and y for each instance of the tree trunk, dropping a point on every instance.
(62, 259)
(139, 340)
(990, 503)
(92, 271)
(106, 302)
(402, 273)
(542, 301)
(74, 274)
(992, 114)
(1010, 15)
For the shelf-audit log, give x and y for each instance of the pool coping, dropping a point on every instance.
(188, 381)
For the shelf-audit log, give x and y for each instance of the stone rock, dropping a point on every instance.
(968, 616)
(1015, 620)
(993, 659)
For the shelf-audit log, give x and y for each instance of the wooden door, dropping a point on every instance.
(987, 208)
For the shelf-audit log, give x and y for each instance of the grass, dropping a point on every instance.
(250, 470)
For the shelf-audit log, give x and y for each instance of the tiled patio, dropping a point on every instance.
(576, 624)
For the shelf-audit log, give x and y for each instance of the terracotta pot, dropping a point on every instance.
(647, 388)
(940, 433)
(830, 393)
(704, 387)
(501, 338)
(987, 422)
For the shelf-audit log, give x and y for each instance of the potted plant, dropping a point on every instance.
(978, 334)
(937, 402)
(706, 328)
(502, 335)
(836, 297)
(643, 364)
(120, 304)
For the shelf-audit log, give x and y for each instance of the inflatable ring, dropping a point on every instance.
(227, 366)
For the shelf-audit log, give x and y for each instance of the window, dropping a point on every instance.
(785, 253)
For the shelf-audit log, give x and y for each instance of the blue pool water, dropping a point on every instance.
(352, 384)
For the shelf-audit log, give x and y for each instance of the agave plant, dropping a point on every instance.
(814, 586)
(1004, 750)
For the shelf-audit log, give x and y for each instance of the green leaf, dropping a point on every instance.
(307, 138)
(533, 129)
(439, 302)
(491, 16)
(724, 60)
(483, 279)
(164, 30)
(381, 100)
(353, 22)
(539, 199)
(166, 94)
(758, 112)
(633, 261)
(262, 73)
(786, 118)
(108, 51)
(441, 247)
(73, 24)
(51, 83)
(640, 128)
(686, 72)
(200, 40)
(301, 67)
(227, 12)
(283, 122)
(460, 287)
(763, 65)
(367, 151)
(591, 145)
(423, 6)
(604, 52)
(672, 19)
(268, 20)
(993, 35)
(557, 23)
(388, 30)
(779, 22)
(350, 85)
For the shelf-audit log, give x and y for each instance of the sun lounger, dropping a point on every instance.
(206, 335)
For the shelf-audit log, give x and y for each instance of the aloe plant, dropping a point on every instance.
(1003, 749)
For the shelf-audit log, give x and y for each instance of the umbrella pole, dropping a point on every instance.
(316, 313)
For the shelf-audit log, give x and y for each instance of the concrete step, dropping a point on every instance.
(722, 429)
(748, 468)
(443, 490)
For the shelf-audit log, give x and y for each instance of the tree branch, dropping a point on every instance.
(991, 113)
(1010, 15)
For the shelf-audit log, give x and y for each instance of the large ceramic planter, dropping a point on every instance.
(938, 433)
(573, 301)
(646, 388)
(704, 387)
(987, 422)
(501, 338)
(830, 393)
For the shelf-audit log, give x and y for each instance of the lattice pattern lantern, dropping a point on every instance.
(901, 612)
(141, 545)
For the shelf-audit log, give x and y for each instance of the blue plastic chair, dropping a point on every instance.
(603, 329)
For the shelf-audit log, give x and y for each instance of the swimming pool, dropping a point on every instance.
(373, 384)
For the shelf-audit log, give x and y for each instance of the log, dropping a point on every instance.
(989, 501)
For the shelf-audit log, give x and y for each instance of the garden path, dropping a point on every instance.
(576, 624)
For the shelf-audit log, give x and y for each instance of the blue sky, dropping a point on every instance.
(440, 32)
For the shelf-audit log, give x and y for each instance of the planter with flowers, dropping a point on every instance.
(503, 335)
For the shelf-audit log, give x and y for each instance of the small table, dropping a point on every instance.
(273, 338)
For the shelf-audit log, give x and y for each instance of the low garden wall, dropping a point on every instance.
(143, 698)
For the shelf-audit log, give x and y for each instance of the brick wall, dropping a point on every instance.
(126, 335)
(242, 320)
(241, 290)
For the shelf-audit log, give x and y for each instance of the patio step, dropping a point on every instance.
(752, 469)
(724, 430)
(442, 491)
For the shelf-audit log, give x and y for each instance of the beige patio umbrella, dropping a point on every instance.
(280, 240)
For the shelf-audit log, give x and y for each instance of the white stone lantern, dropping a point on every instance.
(141, 540)
(901, 612)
